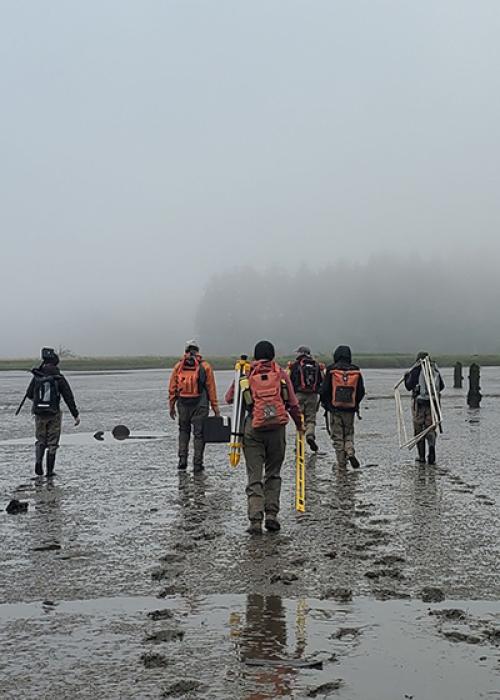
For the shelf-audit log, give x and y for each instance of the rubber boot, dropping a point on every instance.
(354, 462)
(311, 441)
(182, 463)
(431, 459)
(39, 452)
(255, 527)
(421, 451)
(272, 524)
(51, 460)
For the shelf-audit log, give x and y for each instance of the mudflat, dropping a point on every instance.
(127, 579)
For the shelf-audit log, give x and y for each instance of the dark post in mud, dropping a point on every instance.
(474, 395)
(457, 376)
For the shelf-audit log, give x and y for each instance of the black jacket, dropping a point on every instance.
(342, 360)
(64, 387)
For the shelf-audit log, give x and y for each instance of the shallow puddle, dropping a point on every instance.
(249, 647)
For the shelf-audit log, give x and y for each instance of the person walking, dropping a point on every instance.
(192, 389)
(269, 399)
(421, 405)
(45, 391)
(307, 376)
(341, 393)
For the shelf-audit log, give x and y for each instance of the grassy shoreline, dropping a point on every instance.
(121, 363)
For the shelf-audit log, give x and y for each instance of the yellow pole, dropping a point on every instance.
(300, 473)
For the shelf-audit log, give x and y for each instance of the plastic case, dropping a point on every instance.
(216, 429)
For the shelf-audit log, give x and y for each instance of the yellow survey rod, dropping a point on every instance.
(241, 369)
(300, 473)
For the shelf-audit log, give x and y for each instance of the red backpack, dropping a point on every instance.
(268, 407)
(344, 387)
(190, 377)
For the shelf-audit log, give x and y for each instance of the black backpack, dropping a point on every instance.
(309, 375)
(46, 395)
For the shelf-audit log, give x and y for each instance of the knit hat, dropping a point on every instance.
(264, 350)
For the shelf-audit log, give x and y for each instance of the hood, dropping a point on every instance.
(342, 354)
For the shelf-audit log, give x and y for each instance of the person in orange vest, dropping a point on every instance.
(191, 390)
(341, 393)
(269, 399)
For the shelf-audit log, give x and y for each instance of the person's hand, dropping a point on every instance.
(216, 412)
(77, 421)
(173, 414)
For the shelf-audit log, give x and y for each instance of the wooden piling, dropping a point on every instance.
(474, 395)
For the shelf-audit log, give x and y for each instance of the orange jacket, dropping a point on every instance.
(210, 385)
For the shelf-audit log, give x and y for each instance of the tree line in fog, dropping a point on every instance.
(383, 305)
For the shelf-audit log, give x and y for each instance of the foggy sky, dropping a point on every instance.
(146, 146)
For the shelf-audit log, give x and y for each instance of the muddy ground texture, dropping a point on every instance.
(128, 579)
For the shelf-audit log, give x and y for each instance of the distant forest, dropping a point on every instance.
(379, 306)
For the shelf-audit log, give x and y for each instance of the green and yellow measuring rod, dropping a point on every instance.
(241, 369)
(300, 473)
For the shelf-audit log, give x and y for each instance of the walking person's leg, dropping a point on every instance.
(418, 413)
(310, 410)
(275, 444)
(197, 416)
(348, 421)
(54, 425)
(255, 455)
(184, 412)
(337, 435)
(40, 443)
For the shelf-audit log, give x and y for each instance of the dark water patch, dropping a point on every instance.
(165, 635)
(50, 547)
(285, 663)
(181, 688)
(152, 660)
(432, 594)
(165, 614)
(390, 594)
(324, 689)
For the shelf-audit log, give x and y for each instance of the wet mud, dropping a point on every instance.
(127, 579)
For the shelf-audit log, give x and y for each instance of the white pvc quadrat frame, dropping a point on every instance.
(435, 406)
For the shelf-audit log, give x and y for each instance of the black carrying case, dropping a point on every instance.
(216, 429)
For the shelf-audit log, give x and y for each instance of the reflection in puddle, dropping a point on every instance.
(233, 646)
